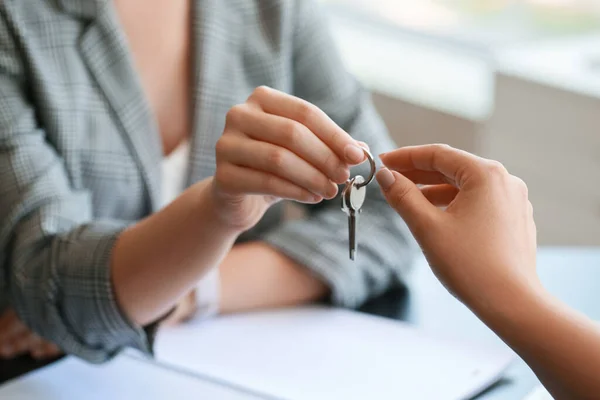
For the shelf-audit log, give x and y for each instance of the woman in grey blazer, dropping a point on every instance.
(95, 93)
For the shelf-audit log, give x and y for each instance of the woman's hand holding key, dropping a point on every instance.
(277, 146)
(274, 146)
(484, 243)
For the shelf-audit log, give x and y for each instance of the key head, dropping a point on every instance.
(346, 196)
(357, 195)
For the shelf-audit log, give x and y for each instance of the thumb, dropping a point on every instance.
(406, 198)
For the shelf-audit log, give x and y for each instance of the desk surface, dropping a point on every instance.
(573, 275)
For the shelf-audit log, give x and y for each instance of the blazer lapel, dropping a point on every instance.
(104, 50)
(217, 38)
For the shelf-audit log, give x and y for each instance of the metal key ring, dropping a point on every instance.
(373, 169)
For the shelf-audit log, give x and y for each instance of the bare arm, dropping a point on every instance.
(560, 345)
(158, 260)
(255, 276)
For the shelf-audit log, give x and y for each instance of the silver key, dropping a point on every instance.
(353, 197)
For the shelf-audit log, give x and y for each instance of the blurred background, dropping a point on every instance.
(517, 81)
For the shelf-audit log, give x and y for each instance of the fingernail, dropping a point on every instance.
(385, 178)
(354, 154)
(365, 146)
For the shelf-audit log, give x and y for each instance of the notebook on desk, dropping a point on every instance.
(323, 353)
(539, 393)
(307, 353)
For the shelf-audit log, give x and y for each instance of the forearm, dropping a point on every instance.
(256, 276)
(157, 261)
(560, 345)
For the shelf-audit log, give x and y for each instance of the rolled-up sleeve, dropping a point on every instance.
(320, 242)
(54, 257)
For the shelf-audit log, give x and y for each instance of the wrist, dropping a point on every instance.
(214, 212)
(511, 305)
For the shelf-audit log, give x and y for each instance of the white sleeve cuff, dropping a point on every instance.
(207, 295)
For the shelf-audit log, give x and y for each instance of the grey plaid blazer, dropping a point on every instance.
(80, 155)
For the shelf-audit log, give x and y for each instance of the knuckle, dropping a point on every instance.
(236, 114)
(440, 147)
(222, 146)
(269, 183)
(276, 159)
(399, 195)
(331, 163)
(306, 112)
(260, 93)
(293, 134)
(521, 186)
(224, 176)
(496, 169)
(437, 151)
(337, 136)
(462, 172)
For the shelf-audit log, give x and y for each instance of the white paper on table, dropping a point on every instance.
(121, 379)
(539, 393)
(324, 353)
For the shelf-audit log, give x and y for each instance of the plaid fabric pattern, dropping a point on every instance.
(80, 155)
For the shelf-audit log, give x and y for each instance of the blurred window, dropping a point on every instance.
(481, 23)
